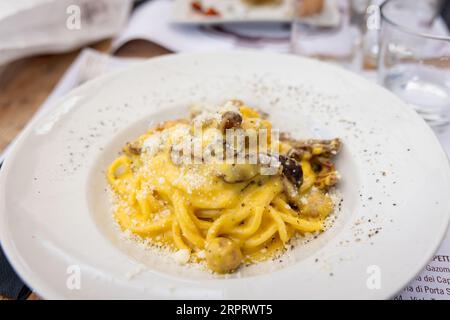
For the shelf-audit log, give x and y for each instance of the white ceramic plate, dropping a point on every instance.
(233, 11)
(55, 217)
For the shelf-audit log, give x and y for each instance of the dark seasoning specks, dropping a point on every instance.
(85, 138)
(382, 176)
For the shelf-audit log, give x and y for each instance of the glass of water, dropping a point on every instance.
(328, 33)
(414, 60)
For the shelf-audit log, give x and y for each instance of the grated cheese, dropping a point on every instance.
(154, 143)
(182, 256)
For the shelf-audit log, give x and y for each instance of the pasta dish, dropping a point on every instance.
(222, 187)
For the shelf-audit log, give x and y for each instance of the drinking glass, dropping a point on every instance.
(331, 34)
(414, 59)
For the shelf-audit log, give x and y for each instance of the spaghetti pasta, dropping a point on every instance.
(224, 212)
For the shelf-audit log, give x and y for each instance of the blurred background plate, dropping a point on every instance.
(185, 11)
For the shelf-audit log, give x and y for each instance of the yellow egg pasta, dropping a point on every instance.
(175, 187)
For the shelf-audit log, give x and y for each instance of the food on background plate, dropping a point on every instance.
(262, 2)
(223, 188)
(207, 8)
(304, 7)
(198, 7)
(310, 7)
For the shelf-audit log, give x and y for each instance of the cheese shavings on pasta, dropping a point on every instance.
(225, 201)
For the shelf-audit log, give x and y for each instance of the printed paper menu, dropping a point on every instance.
(433, 283)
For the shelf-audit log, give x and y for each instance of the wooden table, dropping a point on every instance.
(25, 84)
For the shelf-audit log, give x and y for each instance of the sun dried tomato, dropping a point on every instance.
(211, 12)
(197, 6)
